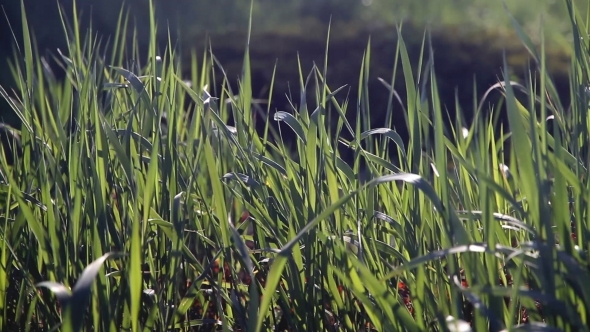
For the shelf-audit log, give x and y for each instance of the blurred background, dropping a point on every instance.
(469, 38)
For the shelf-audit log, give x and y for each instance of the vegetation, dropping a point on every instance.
(194, 17)
(132, 204)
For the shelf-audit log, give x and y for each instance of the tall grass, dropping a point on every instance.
(132, 205)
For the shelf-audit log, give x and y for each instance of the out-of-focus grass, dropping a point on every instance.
(466, 17)
(130, 188)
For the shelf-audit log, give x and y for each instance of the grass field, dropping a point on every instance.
(124, 209)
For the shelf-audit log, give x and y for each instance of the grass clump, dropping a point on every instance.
(161, 216)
